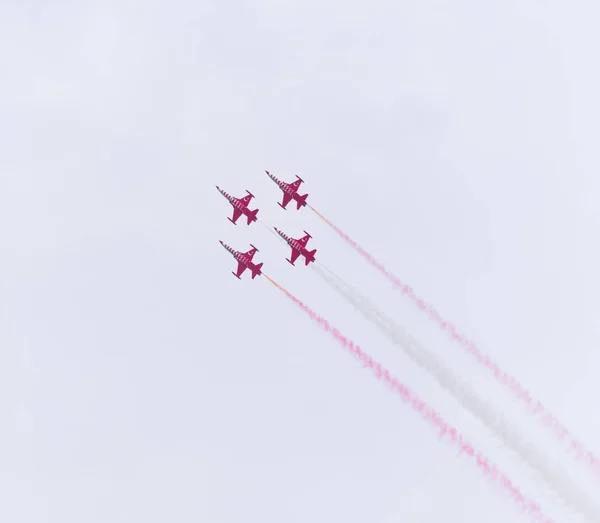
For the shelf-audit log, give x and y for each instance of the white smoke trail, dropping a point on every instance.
(270, 229)
(558, 480)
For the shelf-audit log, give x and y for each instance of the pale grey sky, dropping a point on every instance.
(140, 381)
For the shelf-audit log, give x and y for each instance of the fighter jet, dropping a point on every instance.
(240, 206)
(290, 191)
(298, 247)
(244, 260)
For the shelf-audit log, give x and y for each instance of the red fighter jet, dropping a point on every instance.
(290, 191)
(240, 206)
(298, 247)
(244, 260)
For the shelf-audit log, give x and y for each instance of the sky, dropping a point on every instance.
(141, 381)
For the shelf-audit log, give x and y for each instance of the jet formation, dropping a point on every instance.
(240, 208)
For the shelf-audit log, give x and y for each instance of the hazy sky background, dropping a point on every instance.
(141, 382)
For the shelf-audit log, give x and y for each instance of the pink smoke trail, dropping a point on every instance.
(427, 412)
(534, 406)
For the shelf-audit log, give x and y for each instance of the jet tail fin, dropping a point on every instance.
(256, 271)
(302, 201)
(252, 216)
(310, 256)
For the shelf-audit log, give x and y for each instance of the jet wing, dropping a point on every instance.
(304, 240)
(246, 200)
(286, 199)
(240, 270)
(294, 255)
(295, 185)
(250, 254)
(236, 214)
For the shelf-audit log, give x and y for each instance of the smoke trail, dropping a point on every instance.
(427, 412)
(534, 406)
(270, 229)
(556, 478)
